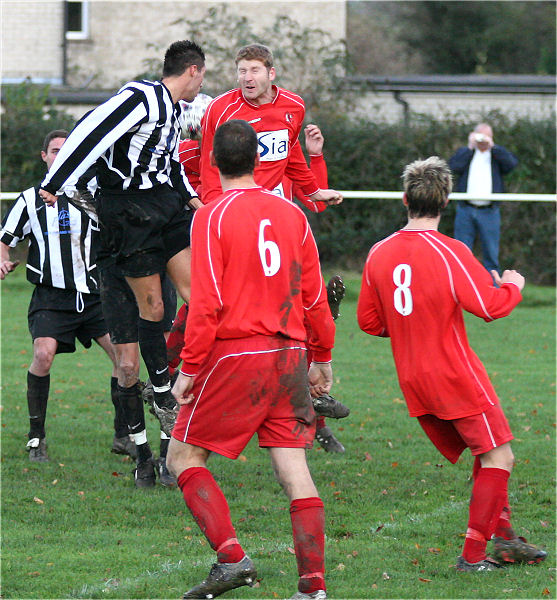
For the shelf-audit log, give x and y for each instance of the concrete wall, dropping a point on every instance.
(122, 34)
(32, 40)
(382, 106)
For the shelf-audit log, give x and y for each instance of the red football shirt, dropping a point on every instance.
(189, 155)
(415, 285)
(277, 124)
(289, 190)
(254, 271)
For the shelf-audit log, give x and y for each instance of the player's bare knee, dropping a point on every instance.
(128, 372)
(153, 310)
(43, 357)
(501, 457)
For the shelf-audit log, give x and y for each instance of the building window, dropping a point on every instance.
(77, 20)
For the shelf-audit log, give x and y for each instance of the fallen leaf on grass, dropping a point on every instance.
(33, 574)
(291, 550)
(368, 456)
(546, 592)
(379, 528)
(242, 458)
(340, 567)
(424, 579)
(544, 523)
(38, 500)
(395, 464)
(434, 550)
(415, 562)
(55, 481)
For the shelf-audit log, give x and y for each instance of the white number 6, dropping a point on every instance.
(268, 246)
(403, 295)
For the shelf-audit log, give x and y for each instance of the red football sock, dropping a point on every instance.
(504, 528)
(308, 530)
(210, 510)
(175, 341)
(320, 422)
(488, 498)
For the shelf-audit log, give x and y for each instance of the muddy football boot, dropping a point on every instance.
(517, 550)
(327, 440)
(335, 294)
(124, 445)
(144, 474)
(167, 413)
(488, 564)
(37, 450)
(165, 476)
(327, 406)
(223, 577)
(318, 595)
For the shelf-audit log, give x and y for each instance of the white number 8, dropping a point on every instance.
(268, 246)
(402, 277)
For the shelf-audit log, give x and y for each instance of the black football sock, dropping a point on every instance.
(37, 400)
(132, 405)
(164, 445)
(120, 424)
(153, 351)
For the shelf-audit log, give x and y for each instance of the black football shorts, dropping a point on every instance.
(143, 229)
(65, 315)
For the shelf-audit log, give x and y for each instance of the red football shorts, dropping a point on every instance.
(481, 433)
(250, 385)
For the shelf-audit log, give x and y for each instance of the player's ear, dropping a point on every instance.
(272, 74)
(257, 160)
(405, 200)
(43, 156)
(212, 159)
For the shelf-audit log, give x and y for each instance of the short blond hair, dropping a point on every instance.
(256, 52)
(427, 184)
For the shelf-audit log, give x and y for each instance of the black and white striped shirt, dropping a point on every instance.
(133, 137)
(63, 242)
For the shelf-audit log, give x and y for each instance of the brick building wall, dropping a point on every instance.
(32, 36)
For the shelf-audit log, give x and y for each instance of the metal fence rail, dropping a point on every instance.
(456, 196)
(379, 195)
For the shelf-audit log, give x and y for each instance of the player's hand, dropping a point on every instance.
(314, 139)
(320, 377)
(509, 276)
(331, 197)
(48, 198)
(181, 389)
(195, 203)
(7, 266)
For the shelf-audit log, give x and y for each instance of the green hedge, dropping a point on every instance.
(371, 156)
(362, 155)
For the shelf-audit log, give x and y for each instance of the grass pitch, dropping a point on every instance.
(396, 511)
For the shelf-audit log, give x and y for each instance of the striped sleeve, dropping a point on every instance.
(15, 226)
(94, 135)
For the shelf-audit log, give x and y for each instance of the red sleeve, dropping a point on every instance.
(318, 167)
(206, 283)
(210, 180)
(321, 331)
(298, 171)
(369, 312)
(475, 291)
